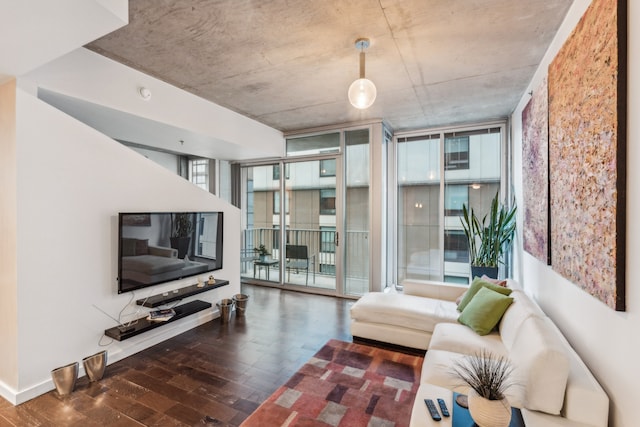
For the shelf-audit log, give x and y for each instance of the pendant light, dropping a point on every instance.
(362, 92)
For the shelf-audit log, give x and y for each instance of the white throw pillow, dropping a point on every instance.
(521, 309)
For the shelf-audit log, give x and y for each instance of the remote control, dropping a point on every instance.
(443, 408)
(432, 409)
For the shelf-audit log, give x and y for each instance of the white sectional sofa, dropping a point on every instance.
(553, 387)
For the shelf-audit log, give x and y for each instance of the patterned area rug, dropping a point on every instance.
(345, 384)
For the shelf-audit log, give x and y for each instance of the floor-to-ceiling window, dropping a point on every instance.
(311, 211)
(356, 212)
(418, 213)
(437, 173)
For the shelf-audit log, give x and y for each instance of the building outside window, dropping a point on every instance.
(327, 246)
(276, 172)
(276, 203)
(454, 197)
(456, 247)
(456, 152)
(327, 239)
(328, 167)
(328, 201)
(276, 237)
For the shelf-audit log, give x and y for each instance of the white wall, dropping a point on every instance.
(71, 183)
(38, 31)
(166, 160)
(173, 114)
(605, 339)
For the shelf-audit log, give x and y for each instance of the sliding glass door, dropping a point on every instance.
(310, 211)
(311, 222)
(261, 201)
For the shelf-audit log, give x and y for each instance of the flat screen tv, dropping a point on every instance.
(158, 247)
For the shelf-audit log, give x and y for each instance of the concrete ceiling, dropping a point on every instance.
(288, 63)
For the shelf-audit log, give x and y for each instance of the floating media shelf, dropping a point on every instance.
(178, 294)
(141, 325)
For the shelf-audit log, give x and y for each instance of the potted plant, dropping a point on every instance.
(487, 377)
(262, 252)
(488, 238)
(181, 228)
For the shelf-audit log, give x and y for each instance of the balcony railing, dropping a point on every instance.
(320, 246)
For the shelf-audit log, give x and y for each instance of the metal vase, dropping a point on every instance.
(64, 378)
(241, 303)
(225, 306)
(95, 365)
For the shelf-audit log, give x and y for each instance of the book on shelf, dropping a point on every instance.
(161, 315)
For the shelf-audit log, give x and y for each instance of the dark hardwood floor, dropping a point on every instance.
(213, 375)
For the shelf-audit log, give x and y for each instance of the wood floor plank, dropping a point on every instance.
(213, 375)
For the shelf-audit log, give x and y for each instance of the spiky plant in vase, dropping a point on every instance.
(488, 378)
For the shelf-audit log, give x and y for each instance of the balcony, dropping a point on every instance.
(321, 253)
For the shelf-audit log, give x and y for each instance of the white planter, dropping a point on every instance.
(489, 413)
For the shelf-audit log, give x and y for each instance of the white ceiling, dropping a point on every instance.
(288, 63)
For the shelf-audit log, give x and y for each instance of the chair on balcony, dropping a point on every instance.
(297, 258)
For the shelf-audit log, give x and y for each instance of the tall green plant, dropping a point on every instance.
(490, 238)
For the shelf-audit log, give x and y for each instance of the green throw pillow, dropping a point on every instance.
(485, 310)
(475, 286)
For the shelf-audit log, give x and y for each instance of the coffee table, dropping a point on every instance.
(420, 414)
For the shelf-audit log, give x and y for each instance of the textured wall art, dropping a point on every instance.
(535, 174)
(587, 140)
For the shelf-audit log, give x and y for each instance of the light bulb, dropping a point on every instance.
(362, 93)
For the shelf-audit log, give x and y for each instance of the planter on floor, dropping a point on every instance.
(95, 365)
(64, 378)
(240, 301)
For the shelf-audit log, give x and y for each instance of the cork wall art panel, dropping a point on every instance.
(535, 174)
(587, 153)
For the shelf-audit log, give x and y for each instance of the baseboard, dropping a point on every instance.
(7, 393)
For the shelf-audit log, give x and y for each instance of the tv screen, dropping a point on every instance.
(159, 247)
